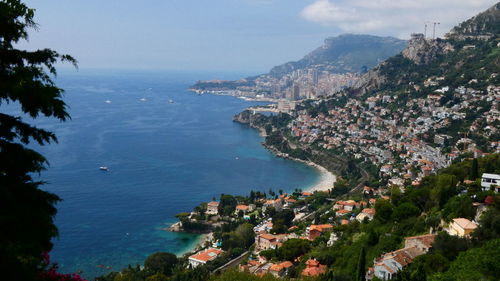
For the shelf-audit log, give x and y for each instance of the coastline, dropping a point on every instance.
(326, 182)
(197, 245)
(327, 178)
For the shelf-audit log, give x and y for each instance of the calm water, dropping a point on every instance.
(164, 158)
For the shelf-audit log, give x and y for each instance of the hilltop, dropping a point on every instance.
(347, 53)
(484, 25)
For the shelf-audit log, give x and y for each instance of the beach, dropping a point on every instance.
(327, 178)
(326, 181)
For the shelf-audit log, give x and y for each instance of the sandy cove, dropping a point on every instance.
(327, 178)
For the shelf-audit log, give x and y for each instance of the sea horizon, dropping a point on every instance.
(164, 158)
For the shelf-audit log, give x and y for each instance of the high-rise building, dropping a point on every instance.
(315, 77)
(296, 92)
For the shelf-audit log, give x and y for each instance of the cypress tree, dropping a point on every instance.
(360, 270)
(474, 170)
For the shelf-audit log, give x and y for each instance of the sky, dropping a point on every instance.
(224, 35)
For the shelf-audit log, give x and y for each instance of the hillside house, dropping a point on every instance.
(280, 269)
(314, 231)
(489, 180)
(386, 266)
(244, 208)
(313, 268)
(203, 257)
(366, 213)
(461, 227)
(276, 204)
(213, 208)
(267, 241)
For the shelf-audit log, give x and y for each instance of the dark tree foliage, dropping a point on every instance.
(404, 211)
(160, 263)
(293, 248)
(474, 170)
(26, 212)
(227, 204)
(475, 264)
(449, 246)
(360, 270)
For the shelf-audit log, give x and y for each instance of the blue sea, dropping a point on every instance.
(164, 158)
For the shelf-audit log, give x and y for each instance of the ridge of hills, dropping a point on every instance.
(334, 65)
(345, 53)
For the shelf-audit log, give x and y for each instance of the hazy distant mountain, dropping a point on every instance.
(346, 53)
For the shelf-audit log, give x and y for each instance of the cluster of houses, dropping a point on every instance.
(399, 138)
(387, 265)
(346, 208)
(262, 267)
(384, 267)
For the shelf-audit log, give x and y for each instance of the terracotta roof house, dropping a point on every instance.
(267, 241)
(350, 205)
(366, 213)
(280, 269)
(276, 204)
(386, 266)
(421, 242)
(341, 213)
(315, 231)
(367, 189)
(213, 208)
(204, 256)
(389, 264)
(461, 227)
(313, 268)
(339, 205)
(244, 208)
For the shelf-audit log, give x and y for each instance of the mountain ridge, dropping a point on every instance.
(345, 48)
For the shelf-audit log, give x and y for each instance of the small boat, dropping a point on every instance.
(107, 101)
(237, 158)
(143, 99)
(171, 101)
(104, 168)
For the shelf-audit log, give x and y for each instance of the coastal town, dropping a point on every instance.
(403, 141)
(409, 154)
(417, 136)
(306, 225)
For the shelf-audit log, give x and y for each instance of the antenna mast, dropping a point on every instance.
(434, 30)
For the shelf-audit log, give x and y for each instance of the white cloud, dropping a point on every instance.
(393, 17)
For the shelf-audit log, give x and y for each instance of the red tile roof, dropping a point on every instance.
(213, 204)
(207, 255)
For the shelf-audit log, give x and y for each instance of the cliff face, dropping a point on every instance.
(370, 81)
(419, 51)
(422, 51)
(247, 117)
